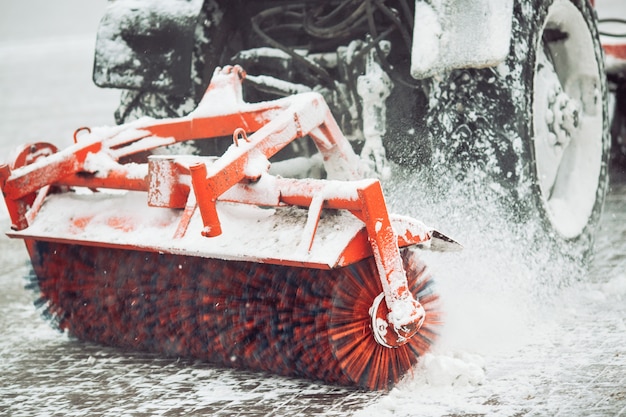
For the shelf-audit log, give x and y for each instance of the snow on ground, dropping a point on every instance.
(520, 338)
(527, 331)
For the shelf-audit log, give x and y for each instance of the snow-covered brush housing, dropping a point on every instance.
(220, 217)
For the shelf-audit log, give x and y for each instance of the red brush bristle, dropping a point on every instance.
(367, 363)
(285, 320)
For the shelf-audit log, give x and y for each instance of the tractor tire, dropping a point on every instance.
(534, 130)
(211, 32)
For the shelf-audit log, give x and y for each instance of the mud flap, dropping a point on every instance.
(147, 45)
(453, 34)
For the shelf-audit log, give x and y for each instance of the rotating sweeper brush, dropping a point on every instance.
(216, 258)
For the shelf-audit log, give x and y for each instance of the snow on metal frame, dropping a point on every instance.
(250, 233)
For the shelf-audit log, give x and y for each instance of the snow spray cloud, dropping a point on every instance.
(496, 288)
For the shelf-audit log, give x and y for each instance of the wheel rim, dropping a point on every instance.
(568, 119)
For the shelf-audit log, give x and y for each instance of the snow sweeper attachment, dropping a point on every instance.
(216, 258)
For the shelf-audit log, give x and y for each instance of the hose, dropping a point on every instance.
(348, 19)
(609, 34)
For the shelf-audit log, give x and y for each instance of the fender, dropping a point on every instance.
(451, 34)
(148, 45)
(145, 44)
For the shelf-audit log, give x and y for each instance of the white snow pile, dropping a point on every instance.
(458, 369)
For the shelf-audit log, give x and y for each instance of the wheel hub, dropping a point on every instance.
(568, 119)
(562, 117)
(385, 333)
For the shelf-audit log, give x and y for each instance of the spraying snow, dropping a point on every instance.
(504, 300)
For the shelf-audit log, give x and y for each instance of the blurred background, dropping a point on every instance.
(30, 19)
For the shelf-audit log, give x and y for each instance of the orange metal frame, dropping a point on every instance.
(270, 126)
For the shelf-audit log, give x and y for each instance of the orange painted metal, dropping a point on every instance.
(616, 50)
(259, 130)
